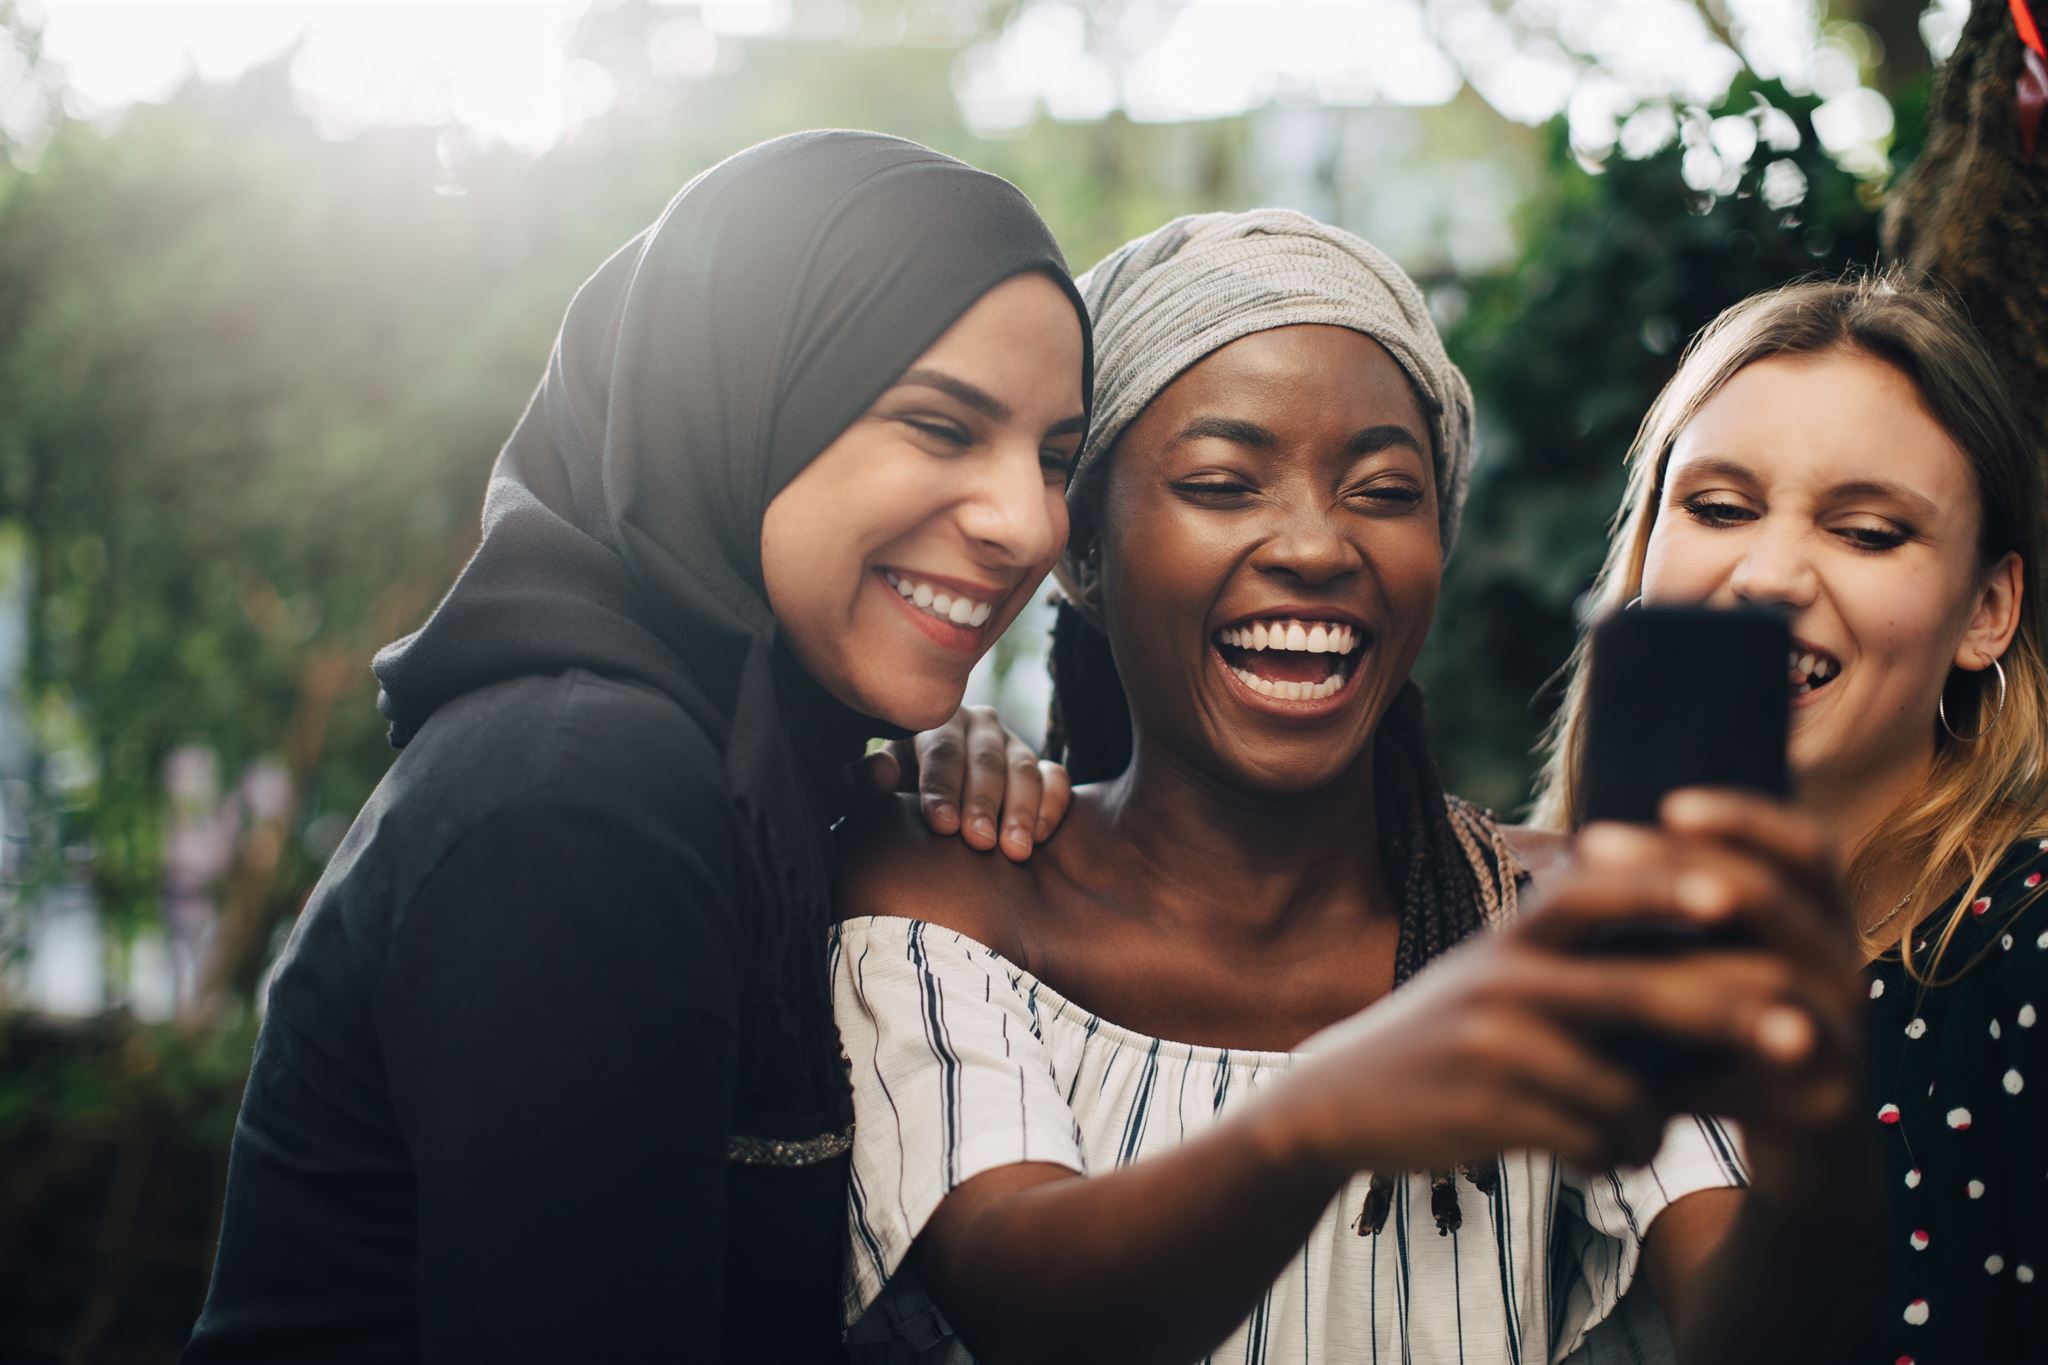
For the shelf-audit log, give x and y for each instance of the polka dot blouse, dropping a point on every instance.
(1959, 1083)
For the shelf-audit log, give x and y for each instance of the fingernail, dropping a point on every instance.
(943, 812)
(983, 826)
(1018, 838)
(1784, 1033)
(1604, 841)
(1689, 807)
(1700, 894)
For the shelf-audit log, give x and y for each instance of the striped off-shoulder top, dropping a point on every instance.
(963, 1062)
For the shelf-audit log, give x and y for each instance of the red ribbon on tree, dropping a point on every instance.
(2031, 94)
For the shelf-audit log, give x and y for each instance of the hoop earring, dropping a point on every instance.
(1941, 712)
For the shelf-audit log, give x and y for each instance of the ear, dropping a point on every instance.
(1996, 618)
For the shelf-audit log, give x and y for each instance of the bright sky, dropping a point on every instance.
(501, 70)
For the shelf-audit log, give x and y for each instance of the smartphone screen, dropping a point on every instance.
(1684, 696)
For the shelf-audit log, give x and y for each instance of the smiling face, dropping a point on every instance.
(910, 543)
(1822, 483)
(1269, 558)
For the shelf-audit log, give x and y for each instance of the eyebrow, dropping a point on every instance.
(982, 401)
(1232, 429)
(1388, 434)
(1722, 467)
(1878, 488)
(1715, 467)
(1251, 435)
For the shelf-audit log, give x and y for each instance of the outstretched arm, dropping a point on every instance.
(1495, 1047)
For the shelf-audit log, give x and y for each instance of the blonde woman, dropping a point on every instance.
(1845, 450)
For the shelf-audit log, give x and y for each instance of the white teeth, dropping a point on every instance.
(1305, 637)
(1811, 669)
(1290, 691)
(961, 611)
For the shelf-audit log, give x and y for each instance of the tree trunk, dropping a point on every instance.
(1973, 211)
(329, 673)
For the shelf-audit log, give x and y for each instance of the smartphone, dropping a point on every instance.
(1682, 696)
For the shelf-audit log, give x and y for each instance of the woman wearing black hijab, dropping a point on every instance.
(548, 1070)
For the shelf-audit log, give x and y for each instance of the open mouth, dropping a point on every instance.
(1292, 658)
(1812, 669)
(946, 603)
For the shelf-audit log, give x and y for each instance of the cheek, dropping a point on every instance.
(1169, 566)
(1413, 569)
(822, 536)
(1899, 619)
(1684, 563)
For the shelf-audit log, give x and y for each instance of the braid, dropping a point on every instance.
(1420, 848)
(1428, 869)
(1089, 726)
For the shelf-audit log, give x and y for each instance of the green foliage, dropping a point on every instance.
(251, 382)
(1621, 265)
(105, 1075)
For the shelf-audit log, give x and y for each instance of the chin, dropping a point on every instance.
(1280, 780)
(914, 708)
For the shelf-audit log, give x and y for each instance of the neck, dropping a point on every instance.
(1244, 866)
(1852, 807)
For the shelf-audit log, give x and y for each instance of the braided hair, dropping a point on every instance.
(1429, 859)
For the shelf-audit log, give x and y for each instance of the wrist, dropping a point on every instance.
(1835, 1172)
(1292, 1139)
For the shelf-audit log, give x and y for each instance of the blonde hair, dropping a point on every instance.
(1980, 798)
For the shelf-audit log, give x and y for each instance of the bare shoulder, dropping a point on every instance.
(892, 864)
(1541, 851)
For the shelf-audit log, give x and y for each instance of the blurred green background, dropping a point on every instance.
(276, 281)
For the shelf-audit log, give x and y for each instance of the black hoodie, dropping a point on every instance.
(548, 1069)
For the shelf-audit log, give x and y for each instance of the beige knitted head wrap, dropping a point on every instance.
(1163, 301)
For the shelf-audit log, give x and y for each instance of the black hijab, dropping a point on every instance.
(696, 374)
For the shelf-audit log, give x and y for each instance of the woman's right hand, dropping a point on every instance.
(1510, 1041)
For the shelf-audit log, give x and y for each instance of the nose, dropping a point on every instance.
(1774, 570)
(1011, 515)
(1307, 542)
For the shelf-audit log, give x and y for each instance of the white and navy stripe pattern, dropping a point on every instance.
(963, 1062)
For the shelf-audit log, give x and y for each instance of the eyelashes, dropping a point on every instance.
(1395, 497)
(1711, 513)
(1874, 538)
(1721, 515)
(943, 431)
(1055, 463)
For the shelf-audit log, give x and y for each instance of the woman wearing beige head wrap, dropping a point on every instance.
(1153, 1096)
